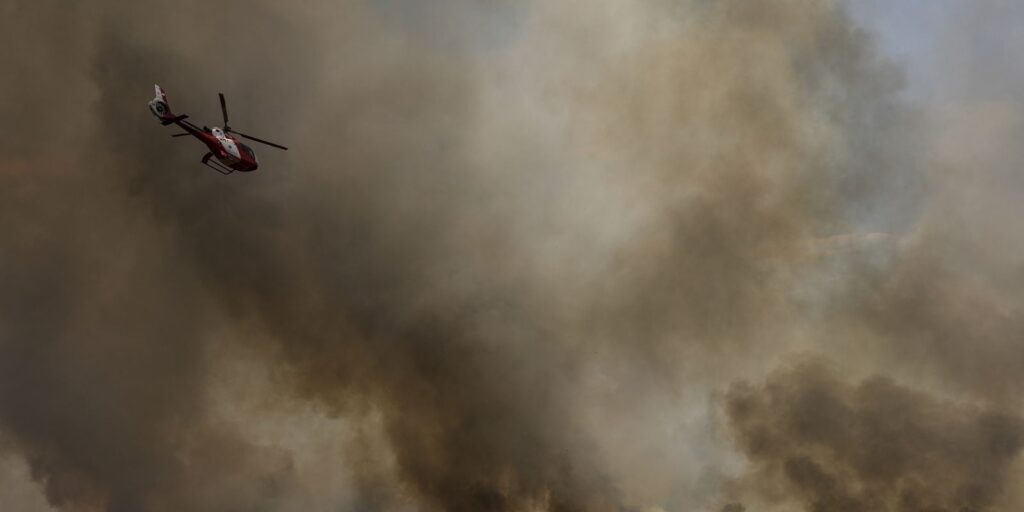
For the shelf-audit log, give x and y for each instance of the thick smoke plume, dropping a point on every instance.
(521, 256)
(871, 446)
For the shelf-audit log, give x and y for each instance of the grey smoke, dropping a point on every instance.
(515, 251)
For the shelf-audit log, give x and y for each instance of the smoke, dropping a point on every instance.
(950, 299)
(871, 446)
(514, 256)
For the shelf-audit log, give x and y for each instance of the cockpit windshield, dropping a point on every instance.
(248, 151)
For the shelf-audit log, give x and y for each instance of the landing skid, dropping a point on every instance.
(215, 165)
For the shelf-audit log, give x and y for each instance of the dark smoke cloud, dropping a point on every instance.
(874, 445)
(496, 263)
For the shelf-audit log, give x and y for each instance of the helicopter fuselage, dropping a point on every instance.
(229, 151)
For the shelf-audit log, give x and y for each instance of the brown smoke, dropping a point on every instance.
(513, 251)
(871, 446)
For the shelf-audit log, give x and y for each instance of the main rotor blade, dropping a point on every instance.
(223, 109)
(261, 141)
(181, 135)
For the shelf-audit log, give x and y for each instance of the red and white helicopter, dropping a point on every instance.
(231, 155)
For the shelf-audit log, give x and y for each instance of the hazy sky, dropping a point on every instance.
(908, 32)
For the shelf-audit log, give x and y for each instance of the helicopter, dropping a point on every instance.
(227, 154)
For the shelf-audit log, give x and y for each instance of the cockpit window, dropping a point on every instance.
(248, 151)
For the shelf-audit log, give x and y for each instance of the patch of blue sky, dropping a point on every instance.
(907, 32)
